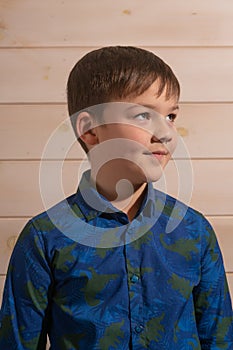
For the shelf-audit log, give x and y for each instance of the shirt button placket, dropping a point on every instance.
(133, 258)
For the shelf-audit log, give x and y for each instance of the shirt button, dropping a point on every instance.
(130, 231)
(134, 279)
(138, 329)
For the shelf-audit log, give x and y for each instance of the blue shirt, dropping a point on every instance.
(90, 279)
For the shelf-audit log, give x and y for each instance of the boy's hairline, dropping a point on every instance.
(170, 96)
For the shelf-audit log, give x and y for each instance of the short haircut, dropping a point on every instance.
(113, 73)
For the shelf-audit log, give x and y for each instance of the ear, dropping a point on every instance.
(86, 129)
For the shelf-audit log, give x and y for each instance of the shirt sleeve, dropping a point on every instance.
(24, 312)
(211, 297)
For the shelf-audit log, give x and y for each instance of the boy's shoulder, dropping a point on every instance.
(173, 206)
(64, 223)
(176, 213)
(69, 210)
(49, 219)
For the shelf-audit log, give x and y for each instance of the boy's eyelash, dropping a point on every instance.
(145, 114)
(171, 117)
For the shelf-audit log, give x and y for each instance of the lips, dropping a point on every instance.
(158, 154)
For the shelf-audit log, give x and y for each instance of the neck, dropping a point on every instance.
(122, 194)
(135, 202)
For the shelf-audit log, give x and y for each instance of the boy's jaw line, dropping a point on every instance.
(107, 185)
(112, 173)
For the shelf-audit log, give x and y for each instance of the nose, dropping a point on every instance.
(162, 131)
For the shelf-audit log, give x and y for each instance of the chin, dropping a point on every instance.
(156, 175)
(153, 176)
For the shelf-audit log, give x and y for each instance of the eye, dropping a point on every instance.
(171, 117)
(142, 116)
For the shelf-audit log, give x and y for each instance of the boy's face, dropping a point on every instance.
(137, 136)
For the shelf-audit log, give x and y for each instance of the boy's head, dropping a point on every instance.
(116, 73)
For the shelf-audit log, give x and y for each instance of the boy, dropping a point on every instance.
(99, 270)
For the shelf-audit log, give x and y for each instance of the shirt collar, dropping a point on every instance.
(92, 204)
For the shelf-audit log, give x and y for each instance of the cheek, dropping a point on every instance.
(142, 137)
(109, 132)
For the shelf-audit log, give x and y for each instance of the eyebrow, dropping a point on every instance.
(175, 107)
(154, 106)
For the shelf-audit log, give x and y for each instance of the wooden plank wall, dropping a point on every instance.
(41, 41)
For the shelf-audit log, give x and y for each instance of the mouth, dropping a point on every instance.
(160, 154)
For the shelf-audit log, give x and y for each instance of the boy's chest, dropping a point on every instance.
(148, 269)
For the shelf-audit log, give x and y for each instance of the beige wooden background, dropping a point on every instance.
(40, 41)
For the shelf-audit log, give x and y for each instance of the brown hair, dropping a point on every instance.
(112, 73)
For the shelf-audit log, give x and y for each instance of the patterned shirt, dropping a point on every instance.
(88, 278)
